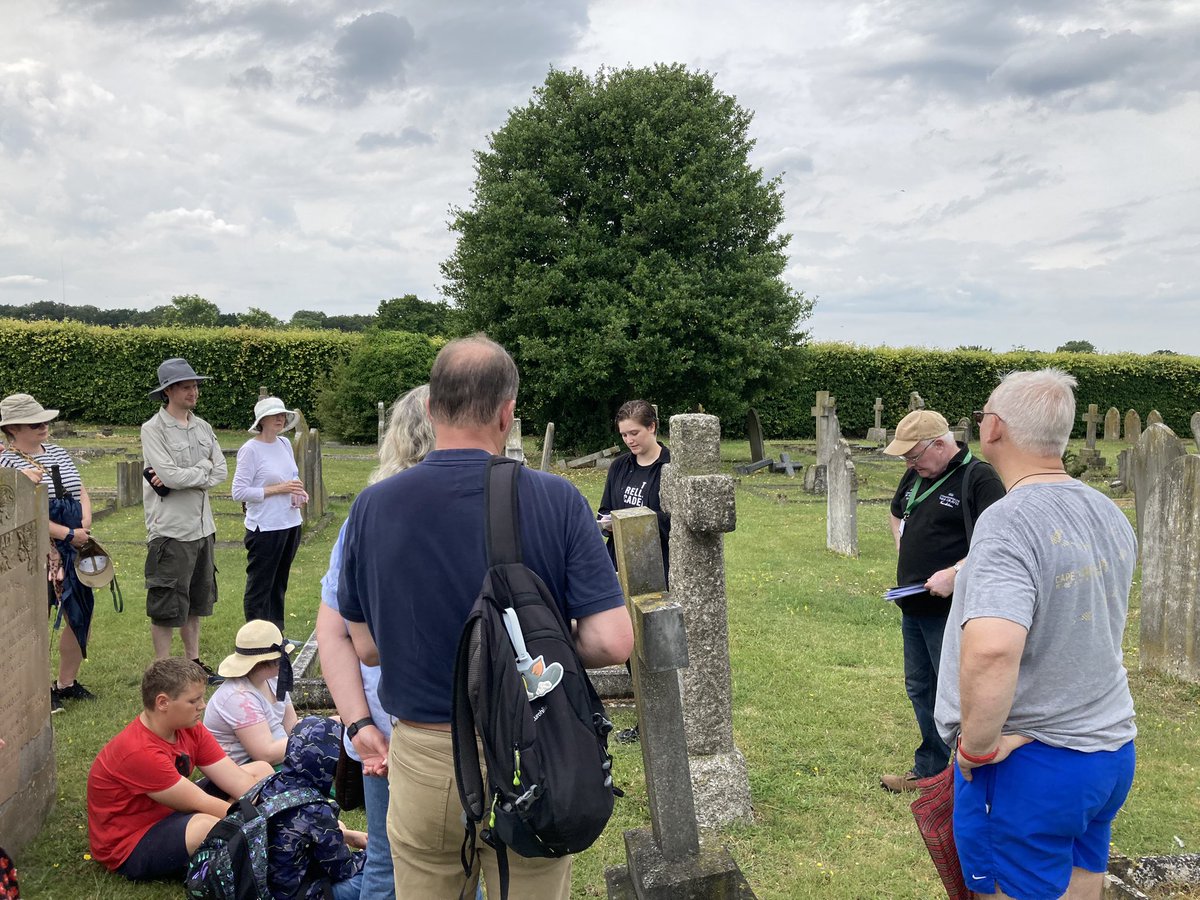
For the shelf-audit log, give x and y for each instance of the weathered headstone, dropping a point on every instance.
(962, 431)
(548, 447)
(1124, 470)
(513, 448)
(129, 483)
(1154, 418)
(1155, 451)
(1133, 426)
(591, 459)
(1170, 544)
(306, 447)
(702, 509)
(1196, 429)
(1112, 424)
(841, 503)
(755, 433)
(877, 434)
(381, 422)
(263, 393)
(27, 768)
(668, 861)
(915, 402)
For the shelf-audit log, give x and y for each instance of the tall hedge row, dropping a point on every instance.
(957, 382)
(99, 374)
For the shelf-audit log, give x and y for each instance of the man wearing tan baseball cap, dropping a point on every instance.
(942, 493)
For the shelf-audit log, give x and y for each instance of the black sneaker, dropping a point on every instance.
(75, 691)
(56, 704)
(213, 677)
(629, 736)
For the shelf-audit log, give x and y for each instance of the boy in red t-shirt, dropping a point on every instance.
(145, 817)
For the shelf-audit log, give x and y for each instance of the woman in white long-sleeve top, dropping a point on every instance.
(268, 484)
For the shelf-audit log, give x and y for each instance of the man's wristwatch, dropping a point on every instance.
(957, 567)
(358, 726)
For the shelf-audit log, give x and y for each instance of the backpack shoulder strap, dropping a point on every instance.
(503, 517)
(289, 799)
(968, 515)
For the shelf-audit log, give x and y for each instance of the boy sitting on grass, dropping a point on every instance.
(145, 817)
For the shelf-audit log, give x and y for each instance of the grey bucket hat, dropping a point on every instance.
(172, 371)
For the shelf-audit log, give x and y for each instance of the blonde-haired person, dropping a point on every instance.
(25, 425)
(353, 685)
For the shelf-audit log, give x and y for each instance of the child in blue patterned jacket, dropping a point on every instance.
(308, 845)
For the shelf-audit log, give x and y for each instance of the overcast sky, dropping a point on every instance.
(955, 171)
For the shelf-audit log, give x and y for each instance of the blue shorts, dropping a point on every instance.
(162, 852)
(1024, 823)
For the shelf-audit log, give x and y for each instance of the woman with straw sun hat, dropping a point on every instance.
(251, 714)
(25, 425)
(268, 482)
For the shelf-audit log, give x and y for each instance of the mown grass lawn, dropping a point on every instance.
(819, 700)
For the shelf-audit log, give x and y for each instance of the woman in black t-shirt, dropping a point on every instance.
(633, 478)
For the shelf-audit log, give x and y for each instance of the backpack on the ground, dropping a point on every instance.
(231, 862)
(542, 726)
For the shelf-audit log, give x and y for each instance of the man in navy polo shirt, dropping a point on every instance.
(415, 556)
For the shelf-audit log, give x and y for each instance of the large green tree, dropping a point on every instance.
(621, 245)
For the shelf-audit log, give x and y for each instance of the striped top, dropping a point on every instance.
(51, 455)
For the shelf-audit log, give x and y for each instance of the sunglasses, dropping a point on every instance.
(183, 765)
(978, 415)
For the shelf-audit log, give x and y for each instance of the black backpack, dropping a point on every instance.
(549, 772)
(231, 862)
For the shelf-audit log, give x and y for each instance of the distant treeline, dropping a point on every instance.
(407, 313)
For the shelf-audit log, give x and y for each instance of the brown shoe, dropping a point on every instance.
(899, 784)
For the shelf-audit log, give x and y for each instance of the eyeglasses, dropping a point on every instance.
(980, 413)
(912, 460)
(183, 764)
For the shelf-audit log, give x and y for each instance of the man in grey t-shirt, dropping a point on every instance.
(1032, 685)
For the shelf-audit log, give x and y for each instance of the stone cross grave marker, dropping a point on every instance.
(841, 503)
(1154, 418)
(821, 411)
(381, 422)
(877, 434)
(512, 443)
(1133, 426)
(548, 447)
(915, 402)
(667, 861)
(755, 433)
(702, 508)
(1195, 423)
(1112, 424)
(27, 767)
(1156, 449)
(1170, 616)
(1089, 454)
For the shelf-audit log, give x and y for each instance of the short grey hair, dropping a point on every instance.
(471, 379)
(409, 436)
(1038, 409)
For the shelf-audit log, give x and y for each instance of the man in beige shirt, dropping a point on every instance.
(183, 462)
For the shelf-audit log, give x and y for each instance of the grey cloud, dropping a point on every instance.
(135, 10)
(370, 55)
(406, 137)
(255, 78)
(506, 43)
(17, 135)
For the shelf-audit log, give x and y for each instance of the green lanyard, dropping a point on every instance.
(914, 500)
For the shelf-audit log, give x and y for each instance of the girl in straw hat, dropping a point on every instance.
(251, 714)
